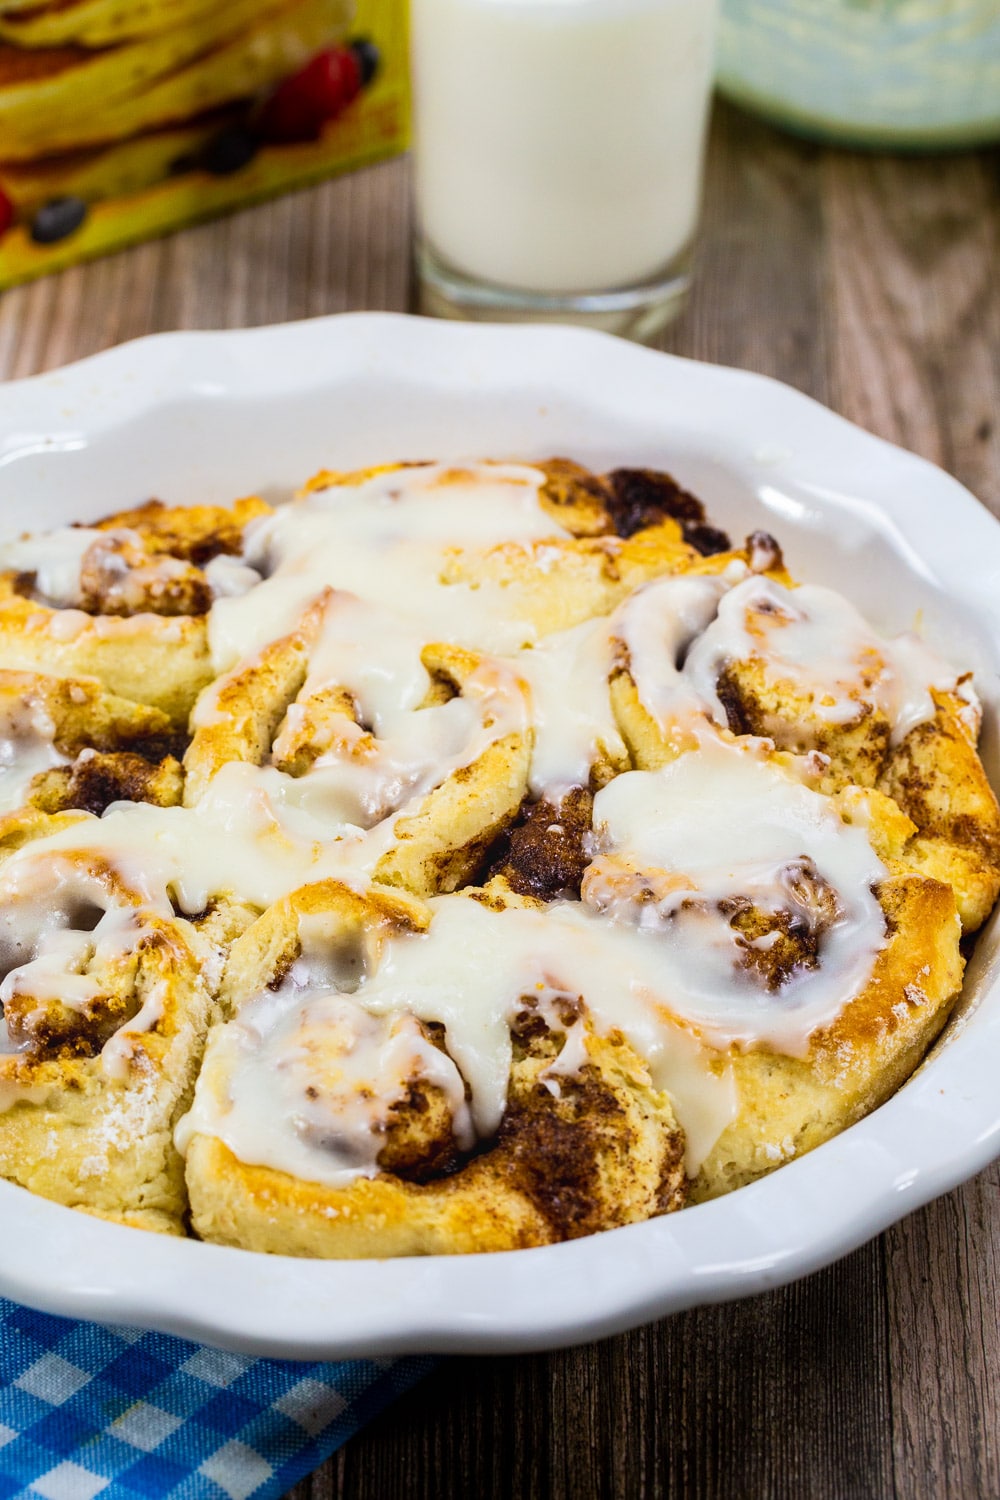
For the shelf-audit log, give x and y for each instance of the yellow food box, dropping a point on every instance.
(125, 119)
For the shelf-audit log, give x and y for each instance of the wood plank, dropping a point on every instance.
(758, 294)
(913, 249)
(782, 1396)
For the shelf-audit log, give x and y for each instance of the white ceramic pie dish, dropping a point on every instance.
(197, 417)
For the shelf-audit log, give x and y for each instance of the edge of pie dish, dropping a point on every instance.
(354, 387)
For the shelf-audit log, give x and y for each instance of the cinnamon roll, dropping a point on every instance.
(460, 857)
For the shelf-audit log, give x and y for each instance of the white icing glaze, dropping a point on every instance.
(305, 1081)
(723, 822)
(119, 1050)
(63, 964)
(231, 843)
(918, 668)
(814, 639)
(9, 1048)
(26, 746)
(46, 887)
(367, 774)
(374, 653)
(364, 775)
(472, 971)
(55, 558)
(571, 708)
(64, 930)
(62, 921)
(656, 626)
(119, 558)
(229, 577)
(12, 1093)
(572, 1056)
(389, 539)
(70, 624)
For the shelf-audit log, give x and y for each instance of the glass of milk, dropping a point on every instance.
(559, 148)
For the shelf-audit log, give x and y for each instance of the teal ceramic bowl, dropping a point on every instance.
(897, 74)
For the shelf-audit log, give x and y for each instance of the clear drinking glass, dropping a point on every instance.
(559, 148)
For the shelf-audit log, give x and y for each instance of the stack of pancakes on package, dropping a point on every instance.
(122, 118)
(459, 858)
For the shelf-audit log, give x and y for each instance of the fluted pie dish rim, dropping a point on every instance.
(207, 416)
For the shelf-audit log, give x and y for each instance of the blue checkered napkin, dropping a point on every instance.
(88, 1411)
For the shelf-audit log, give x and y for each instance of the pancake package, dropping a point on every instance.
(122, 119)
(460, 858)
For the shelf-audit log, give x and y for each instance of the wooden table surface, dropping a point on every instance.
(871, 283)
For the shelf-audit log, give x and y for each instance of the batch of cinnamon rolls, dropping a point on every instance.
(459, 858)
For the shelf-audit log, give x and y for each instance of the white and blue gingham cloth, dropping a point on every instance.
(87, 1411)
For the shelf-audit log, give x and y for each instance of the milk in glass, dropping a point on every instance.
(559, 142)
